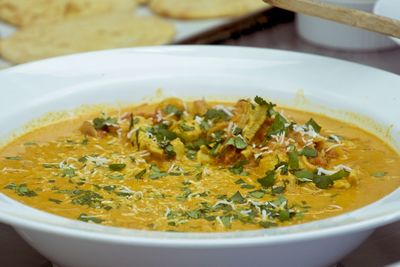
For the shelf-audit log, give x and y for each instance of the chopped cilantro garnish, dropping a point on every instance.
(115, 176)
(50, 166)
(259, 100)
(309, 152)
(55, 200)
(238, 142)
(216, 115)
(86, 218)
(68, 172)
(334, 138)
(169, 151)
(268, 180)
(186, 128)
(278, 126)
(191, 154)
(339, 175)
(215, 149)
(379, 174)
(243, 184)
(185, 194)
(195, 214)
(270, 106)
(267, 224)
(237, 198)
(117, 166)
(87, 198)
(21, 190)
(13, 158)
(30, 143)
(162, 133)
(276, 190)
(156, 173)
(238, 168)
(171, 109)
(256, 194)
(226, 220)
(103, 123)
(317, 128)
(283, 167)
(293, 160)
(322, 181)
(197, 144)
(304, 176)
(240, 181)
(140, 174)
(284, 215)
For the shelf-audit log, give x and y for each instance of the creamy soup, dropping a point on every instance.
(199, 167)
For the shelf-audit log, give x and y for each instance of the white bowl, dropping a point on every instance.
(388, 8)
(327, 85)
(335, 35)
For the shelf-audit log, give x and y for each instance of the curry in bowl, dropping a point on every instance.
(199, 166)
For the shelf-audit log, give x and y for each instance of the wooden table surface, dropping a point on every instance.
(381, 249)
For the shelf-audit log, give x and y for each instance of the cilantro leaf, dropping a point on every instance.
(277, 126)
(117, 166)
(238, 168)
(237, 198)
(226, 220)
(103, 123)
(304, 176)
(171, 109)
(55, 200)
(140, 174)
(169, 151)
(194, 214)
(13, 158)
(156, 173)
(21, 190)
(379, 174)
(68, 172)
(267, 224)
(238, 142)
(270, 106)
(86, 218)
(256, 194)
(309, 152)
(283, 167)
(268, 180)
(293, 160)
(87, 198)
(115, 176)
(339, 175)
(191, 154)
(216, 115)
(186, 128)
(317, 128)
(322, 181)
(284, 215)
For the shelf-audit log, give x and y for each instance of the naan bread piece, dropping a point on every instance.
(31, 12)
(115, 30)
(202, 9)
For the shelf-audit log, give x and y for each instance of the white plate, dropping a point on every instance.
(326, 85)
(388, 8)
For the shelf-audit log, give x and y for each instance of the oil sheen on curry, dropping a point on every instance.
(199, 167)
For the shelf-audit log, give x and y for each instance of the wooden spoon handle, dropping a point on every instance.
(352, 17)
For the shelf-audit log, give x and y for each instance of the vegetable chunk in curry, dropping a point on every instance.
(198, 167)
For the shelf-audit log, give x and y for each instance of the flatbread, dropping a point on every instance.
(85, 34)
(31, 12)
(202, 9)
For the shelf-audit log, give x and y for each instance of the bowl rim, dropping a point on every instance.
(181, 239)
